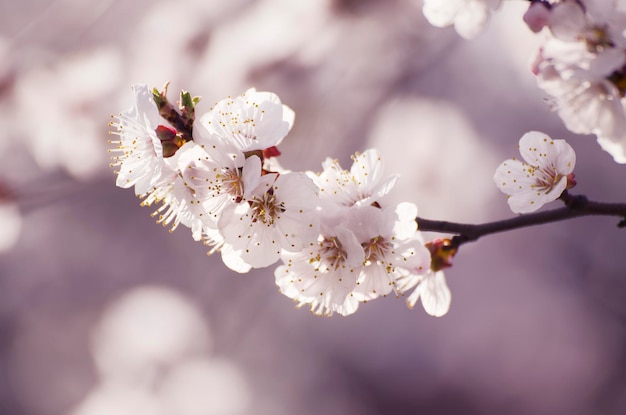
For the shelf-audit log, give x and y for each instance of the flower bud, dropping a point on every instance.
(441, 253)
(537, 16)
(171, 140)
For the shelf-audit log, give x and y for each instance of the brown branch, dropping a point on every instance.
(575, 206)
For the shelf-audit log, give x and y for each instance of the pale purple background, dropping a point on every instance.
(104, 312)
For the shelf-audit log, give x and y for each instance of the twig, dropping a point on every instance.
(575, 206)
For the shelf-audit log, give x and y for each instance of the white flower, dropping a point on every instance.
(586, 103)
(430, 287)
(179, 204)
(584, 68)
(363, 185)
(252, 121)
(541, 177)
(279, 214)
(597, 23)
(391, 248)
(587, 97)
(221, 178)
(324, 275)
(139, 153)
(469, 17)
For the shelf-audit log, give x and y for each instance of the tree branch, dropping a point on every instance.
(575, 206)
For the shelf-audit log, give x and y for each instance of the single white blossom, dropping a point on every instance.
(597, 23)
(586, 103)
(391, 248)
(469, 17)
(179, 203)
(362, 185)
(252, 121)
(279, 214)
(221, 178)
(139, 153)
(324, 275)
(541, 177)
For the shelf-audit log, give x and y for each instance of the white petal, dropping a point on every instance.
(441, 13)
(532, 200)
(233, 260)
(567, 20)
(616, 147)
(472, 19)
(434, 293)
(406, 225)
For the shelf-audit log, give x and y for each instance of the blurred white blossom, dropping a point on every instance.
(70, 98)
(469, 17)
(583, 67)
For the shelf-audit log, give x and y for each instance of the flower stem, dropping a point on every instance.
(575, 206)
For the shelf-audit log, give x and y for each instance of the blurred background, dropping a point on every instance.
(102, 312)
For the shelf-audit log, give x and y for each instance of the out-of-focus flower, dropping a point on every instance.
(469, 17)
(147, 327)
(543, 175)
(583, 67)
(152, 353)
(71, 97)
(537, 16)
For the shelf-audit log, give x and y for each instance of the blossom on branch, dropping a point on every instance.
(542, 176)
(279, 214)
(139, 153)
(324, 275)
(339, 242)
(363, 248)
(252, 121)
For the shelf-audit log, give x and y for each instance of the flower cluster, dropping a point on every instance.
(582, 65)
(339, 243)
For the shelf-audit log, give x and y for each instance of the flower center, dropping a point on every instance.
(597, 39)
(546, 178)
(230, 182)
(330, 255)
(266, 209)
(376, 249)
(618, 78)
